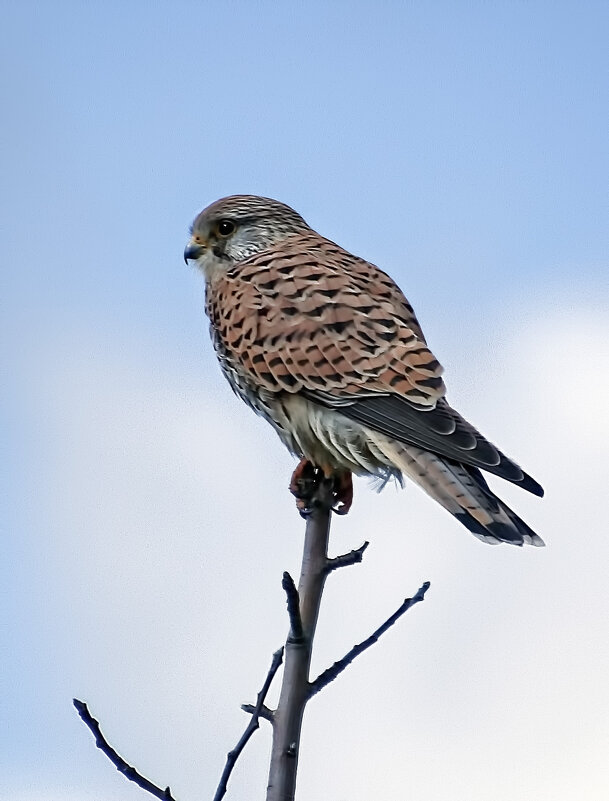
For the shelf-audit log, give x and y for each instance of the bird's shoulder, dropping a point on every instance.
(330, 321)
(310, 269)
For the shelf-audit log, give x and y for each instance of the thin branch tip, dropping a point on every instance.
(128, 771)
(293, 602)
(346, 559)
(337, 668)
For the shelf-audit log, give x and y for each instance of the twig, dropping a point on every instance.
(233, 755)
(337, 668)
(263, 712)
(293, 599)
(119, 763)
(346, 559)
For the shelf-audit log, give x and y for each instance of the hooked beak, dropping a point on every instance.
(193, 252)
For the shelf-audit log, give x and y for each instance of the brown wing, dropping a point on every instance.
(312, 317)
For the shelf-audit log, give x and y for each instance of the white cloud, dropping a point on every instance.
(169, 526)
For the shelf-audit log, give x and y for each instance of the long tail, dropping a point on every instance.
(462, 491)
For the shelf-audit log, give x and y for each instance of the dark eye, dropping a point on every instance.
(226, 227)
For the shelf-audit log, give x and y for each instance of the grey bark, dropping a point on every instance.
(287, 721)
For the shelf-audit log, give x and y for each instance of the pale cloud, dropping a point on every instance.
(165, 601)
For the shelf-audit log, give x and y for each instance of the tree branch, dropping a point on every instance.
(263, 712)
(296, 690)
(293, 599)
(347, 559)
(287, 720)
(233, 755)
(337, 668)
(119, 763)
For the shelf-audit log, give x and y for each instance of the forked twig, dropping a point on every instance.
(337, 668)
(119, 763)
(256, 713)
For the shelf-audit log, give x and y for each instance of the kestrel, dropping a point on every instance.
(327, 349)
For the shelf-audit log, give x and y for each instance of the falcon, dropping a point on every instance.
(327, 349)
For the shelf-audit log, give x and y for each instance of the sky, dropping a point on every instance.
(146, 522)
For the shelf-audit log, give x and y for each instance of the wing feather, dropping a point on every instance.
(311, 318)
(330, 321)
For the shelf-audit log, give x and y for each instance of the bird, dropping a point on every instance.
(325, 346)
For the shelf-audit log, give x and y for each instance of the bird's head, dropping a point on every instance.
(236, 227)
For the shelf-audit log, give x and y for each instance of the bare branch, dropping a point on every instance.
(337, 668)
(293, 599)
(346, 559)
(263, 712)
(119, 763)
(295, 683)
(233, 755)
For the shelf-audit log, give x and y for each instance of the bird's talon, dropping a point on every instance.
(306, 481)
(304, 485)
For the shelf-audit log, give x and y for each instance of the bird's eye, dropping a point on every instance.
(226, 227)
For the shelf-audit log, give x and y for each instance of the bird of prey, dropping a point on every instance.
(327, 349)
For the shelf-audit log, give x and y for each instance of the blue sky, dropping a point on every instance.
(462, 147)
